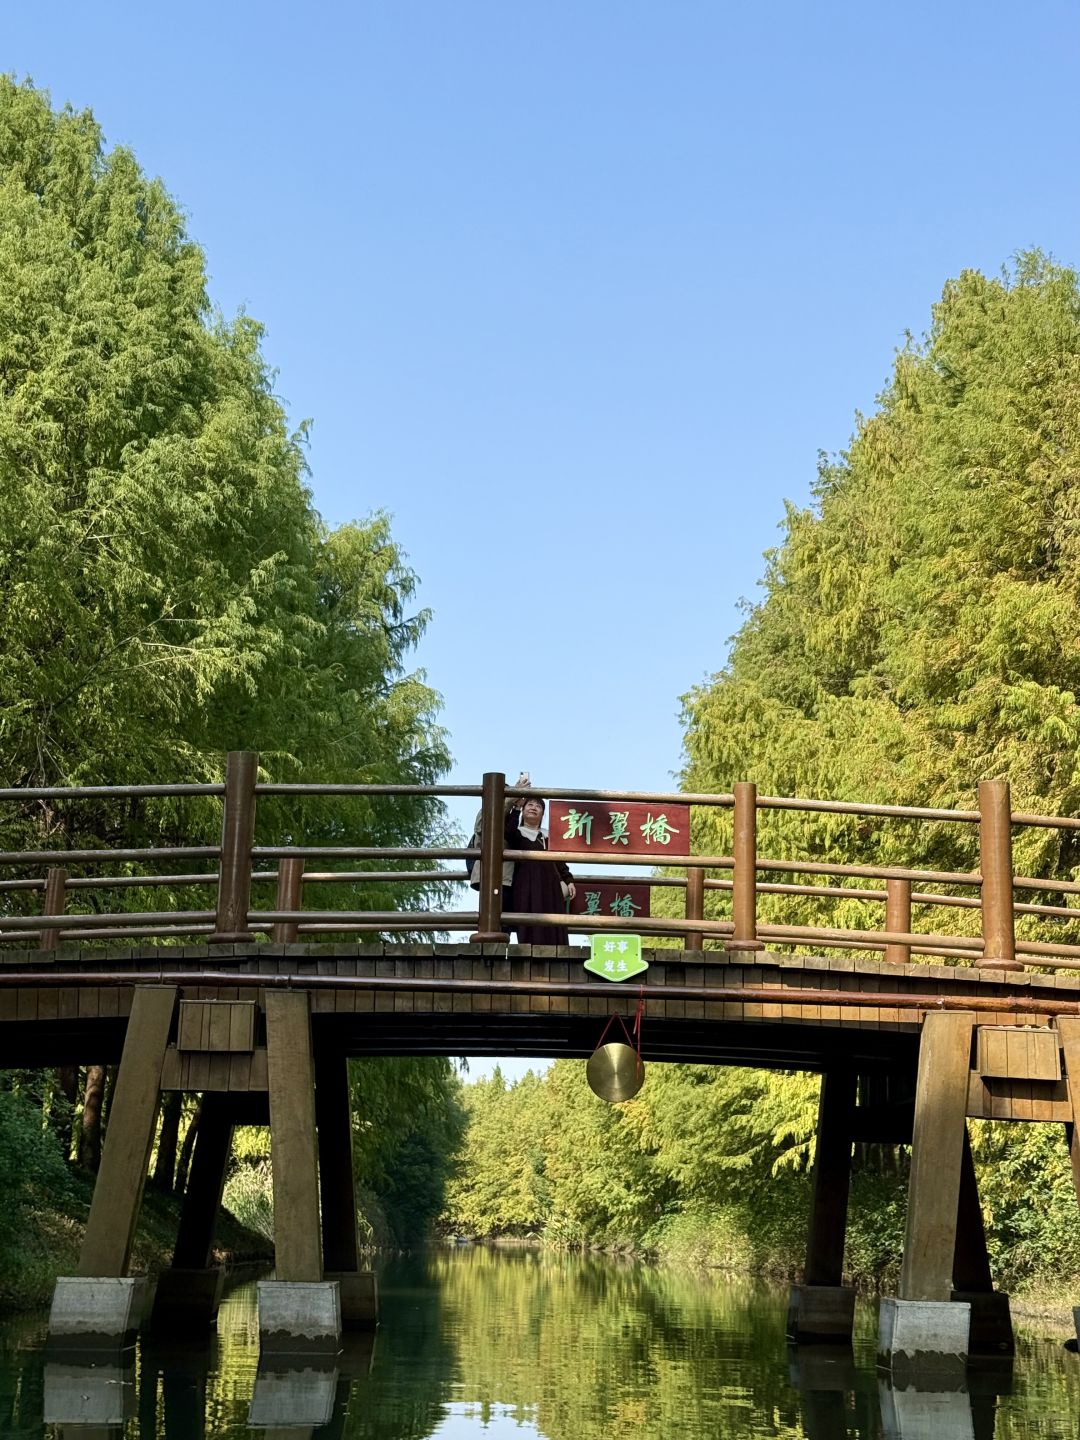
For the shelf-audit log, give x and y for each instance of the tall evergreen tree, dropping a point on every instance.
(167, 590)
(919, 629)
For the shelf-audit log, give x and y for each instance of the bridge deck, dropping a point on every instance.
(767, 1009)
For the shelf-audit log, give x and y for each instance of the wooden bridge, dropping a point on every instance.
(259, 1009)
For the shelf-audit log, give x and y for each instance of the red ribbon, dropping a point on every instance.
(633, 1035)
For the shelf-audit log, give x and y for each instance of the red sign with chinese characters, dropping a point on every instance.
(608, 827)
(602, 897)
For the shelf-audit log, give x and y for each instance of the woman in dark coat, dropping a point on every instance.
(539, 886)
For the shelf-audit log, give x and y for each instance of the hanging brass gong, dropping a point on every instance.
(615, 1073)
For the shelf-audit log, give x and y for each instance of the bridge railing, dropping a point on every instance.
(241, 865)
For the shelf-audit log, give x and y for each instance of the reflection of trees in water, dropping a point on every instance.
(21, 1377)
(593, 1348)
(410, 1383)
(1046, 1385)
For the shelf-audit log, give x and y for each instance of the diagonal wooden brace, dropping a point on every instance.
(114, 1209)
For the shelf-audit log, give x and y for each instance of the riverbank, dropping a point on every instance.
(51, 1233)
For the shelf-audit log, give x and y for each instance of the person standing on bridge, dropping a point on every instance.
(508, 865)
(538, 886)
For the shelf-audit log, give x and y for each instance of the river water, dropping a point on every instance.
(525, 1344)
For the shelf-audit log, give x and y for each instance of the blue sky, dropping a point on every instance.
(579, 291)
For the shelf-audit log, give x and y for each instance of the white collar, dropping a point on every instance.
(529, 831)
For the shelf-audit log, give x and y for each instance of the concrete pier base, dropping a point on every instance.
(1076, 1322)
(95, 1314)
(926, 1414)
(991, 1334)
(821, 1313)
(187, 1300)
(918, 1338)
(299, 1317)
(359, 1298)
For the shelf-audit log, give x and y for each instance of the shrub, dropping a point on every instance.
(249, 1195)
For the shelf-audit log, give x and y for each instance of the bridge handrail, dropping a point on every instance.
(106, 792)
(722, 799)
(238, 858)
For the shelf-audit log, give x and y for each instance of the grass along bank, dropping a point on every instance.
(51, 1227)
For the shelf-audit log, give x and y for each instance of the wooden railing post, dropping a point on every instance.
(744, 876)
(55, 898)
(491, 861)
(995, 863)
(695, 906)
(289, 882)
(237, 837)
(898, 917)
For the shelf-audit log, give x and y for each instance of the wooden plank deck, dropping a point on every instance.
(55, 1024)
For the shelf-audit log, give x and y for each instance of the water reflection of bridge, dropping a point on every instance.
(259, 1009)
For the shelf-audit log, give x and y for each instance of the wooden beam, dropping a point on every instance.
(106, 1247)
(206, 1181)
(832, 1178)
(937, 1156)
(1068, 1028)
(898, 919)
(971, 1259)
(695, 906)
(340, 1251)
(291, 1083)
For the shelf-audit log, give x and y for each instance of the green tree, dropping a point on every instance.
(31, 1168)
(919, 628)
(167, 590)
(408, 1123)
(501, 1185)
(919, 632)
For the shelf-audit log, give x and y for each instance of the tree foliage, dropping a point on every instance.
(919, 627)
(712, 1165)
(547, 1157)
(167, 590)
(917, 633)
(407, 1128)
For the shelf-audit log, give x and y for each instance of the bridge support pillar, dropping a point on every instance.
(823, 1309)
(298, 1311)
(189, 1292)
(341, 1251)
(1068, 1028)
(926, 1329)
(100, 1301)
(299, 1319)
(917, 1338)
(991, 1334)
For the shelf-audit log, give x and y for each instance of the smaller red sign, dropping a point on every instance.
(602, 897)
(592, 827)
